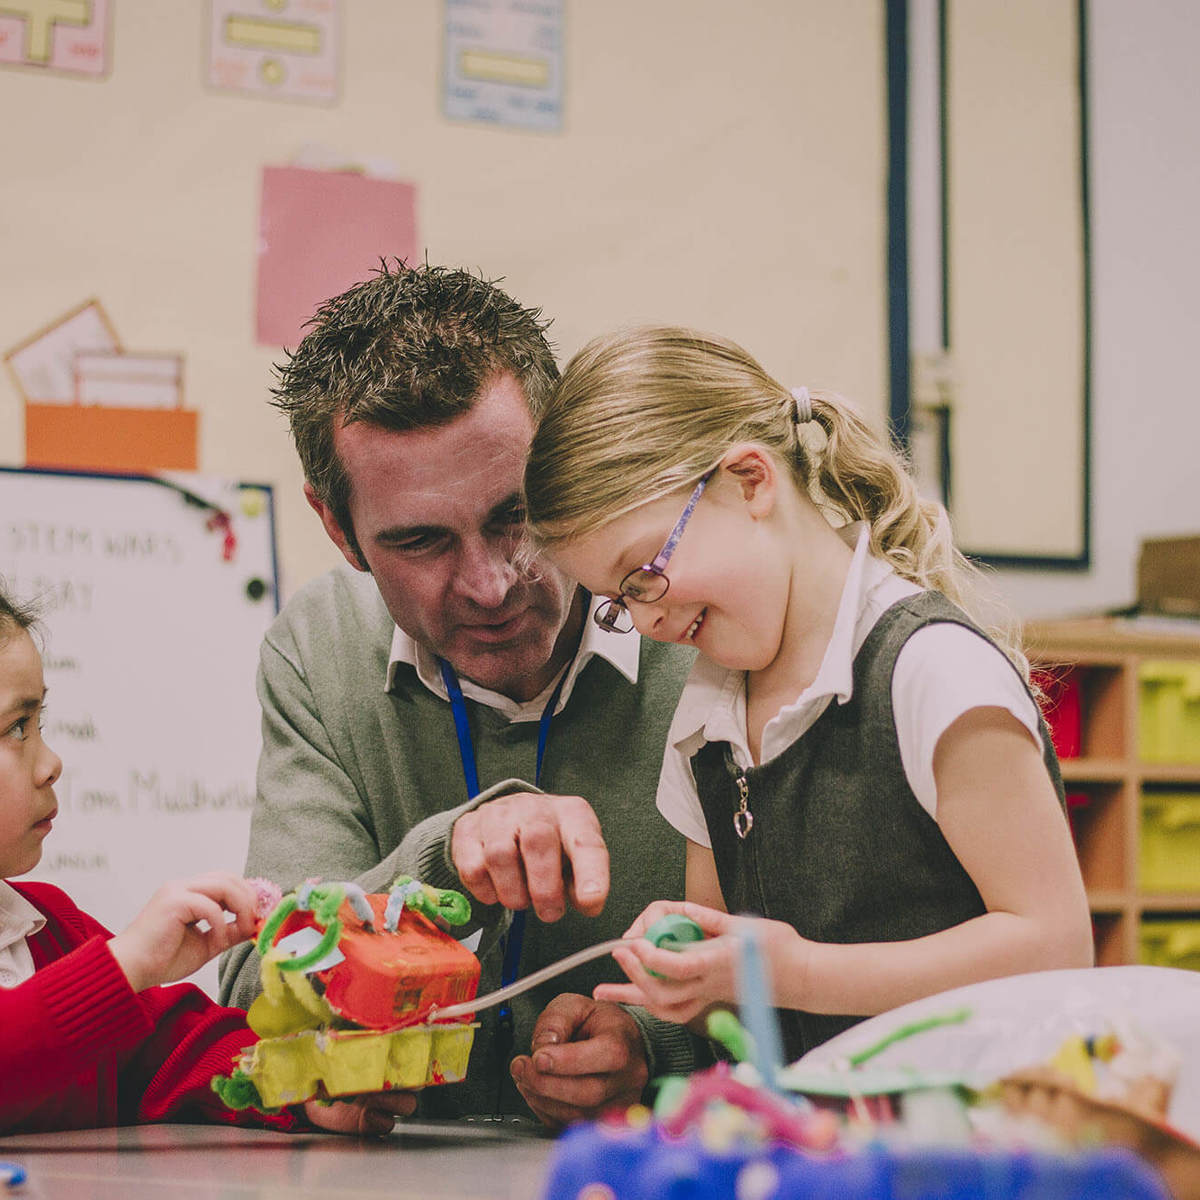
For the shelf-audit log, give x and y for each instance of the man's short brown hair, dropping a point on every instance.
(409, 348)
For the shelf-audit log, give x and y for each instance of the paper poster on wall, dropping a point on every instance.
(504, 62)
(43, 365)
(319, 233)
(90, 406)
(59, 35)
(281, 48)
(151, 631)
(129, 380)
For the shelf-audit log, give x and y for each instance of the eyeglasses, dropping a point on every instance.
(649, 582)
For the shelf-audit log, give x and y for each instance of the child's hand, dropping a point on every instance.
(372, 1115)
(164, 942)
(702, 974)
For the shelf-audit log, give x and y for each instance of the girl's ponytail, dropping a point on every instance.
(857, 477)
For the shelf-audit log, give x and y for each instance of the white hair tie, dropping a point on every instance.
(802, 409)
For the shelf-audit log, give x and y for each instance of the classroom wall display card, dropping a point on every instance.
(72, 36)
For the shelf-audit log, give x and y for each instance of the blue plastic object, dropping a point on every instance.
(754, 1002)
(646, 1164)
(12, 1174)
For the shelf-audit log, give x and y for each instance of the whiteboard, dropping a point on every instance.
(151, 619)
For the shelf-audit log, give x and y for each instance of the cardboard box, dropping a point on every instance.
(1169, 576)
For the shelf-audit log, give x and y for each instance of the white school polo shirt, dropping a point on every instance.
(623, 650)
(18, 921)
(943, 671)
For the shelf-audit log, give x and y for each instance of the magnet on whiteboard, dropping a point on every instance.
(256, 588)
(252, 502)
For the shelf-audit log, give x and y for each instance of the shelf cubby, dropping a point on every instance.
(1094, 665)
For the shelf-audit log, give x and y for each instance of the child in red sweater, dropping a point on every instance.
(87, 1035)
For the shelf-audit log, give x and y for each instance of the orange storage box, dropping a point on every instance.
(96, 437)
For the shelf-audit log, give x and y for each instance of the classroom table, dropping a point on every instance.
(417, 1161)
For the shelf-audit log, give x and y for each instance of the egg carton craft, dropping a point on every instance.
(350, 981)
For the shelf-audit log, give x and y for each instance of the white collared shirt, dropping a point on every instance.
(622, 650)
(19, 920)
(942, 671)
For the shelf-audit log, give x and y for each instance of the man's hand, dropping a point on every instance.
(165, 941)
(529, 849)
(586, 1056)
(369, 1116)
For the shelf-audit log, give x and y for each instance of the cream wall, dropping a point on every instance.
(721, 165)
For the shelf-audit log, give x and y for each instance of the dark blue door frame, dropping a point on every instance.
(899, 350)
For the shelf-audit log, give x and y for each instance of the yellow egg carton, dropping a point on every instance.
(292, 1069)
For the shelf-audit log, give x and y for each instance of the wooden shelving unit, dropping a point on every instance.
(1109, 771)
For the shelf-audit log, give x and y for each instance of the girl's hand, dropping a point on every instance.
(702, 974)
(166, 942)
(369, 1116)
(709, 919)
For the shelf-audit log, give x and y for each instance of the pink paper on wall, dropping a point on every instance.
(319, 233)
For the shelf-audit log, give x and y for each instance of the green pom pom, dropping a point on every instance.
(671, 1091)
(453, 907)
(723, 1027)
(237, 1091)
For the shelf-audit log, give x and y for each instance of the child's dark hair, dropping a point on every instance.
(14, 617)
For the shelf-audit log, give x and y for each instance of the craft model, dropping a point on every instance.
(350, 981)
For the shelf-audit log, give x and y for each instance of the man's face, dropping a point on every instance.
(437, 515)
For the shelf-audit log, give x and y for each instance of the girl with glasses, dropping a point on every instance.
(857, 757)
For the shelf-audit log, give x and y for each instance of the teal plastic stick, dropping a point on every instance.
(758, 1012)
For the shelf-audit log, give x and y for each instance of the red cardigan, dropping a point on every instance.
(79, 1048)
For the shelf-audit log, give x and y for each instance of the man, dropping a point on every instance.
(437, 669)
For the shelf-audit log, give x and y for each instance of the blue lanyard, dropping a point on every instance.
(466, 752)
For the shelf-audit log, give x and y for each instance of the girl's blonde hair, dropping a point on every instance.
(640, 413)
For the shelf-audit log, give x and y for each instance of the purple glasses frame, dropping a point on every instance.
(614, 615)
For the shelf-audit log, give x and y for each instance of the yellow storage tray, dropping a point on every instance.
(1169, 711)
(1171, 943)
(288, 1070)
(1169, 853)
